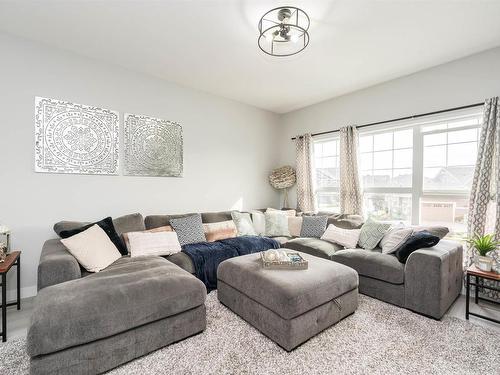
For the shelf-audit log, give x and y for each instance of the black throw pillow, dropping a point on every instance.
(416, 241)
(107, 226)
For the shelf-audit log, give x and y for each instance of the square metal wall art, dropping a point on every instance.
(75, 138)
(153, 147)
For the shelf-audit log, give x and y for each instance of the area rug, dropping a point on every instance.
(378, 339)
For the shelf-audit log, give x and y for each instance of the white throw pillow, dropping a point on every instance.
(243, 223)
(393, 239)
(92, 248)
(158, 243)
(345, 237)
(295, 225)
(259, 222)
(290, 213)
(276, 224)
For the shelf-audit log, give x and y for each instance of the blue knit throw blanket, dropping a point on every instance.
(207, 256)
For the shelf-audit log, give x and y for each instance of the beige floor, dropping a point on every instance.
(17, 321)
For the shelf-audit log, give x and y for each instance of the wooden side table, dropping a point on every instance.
(13, 258)
(478, 274)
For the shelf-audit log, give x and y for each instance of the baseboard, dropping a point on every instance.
(26, 292)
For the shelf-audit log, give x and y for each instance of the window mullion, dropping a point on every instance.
(418, 174)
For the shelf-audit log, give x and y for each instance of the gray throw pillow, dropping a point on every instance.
(371, 234)
(313, 226)
(189, 229)
(129, 223)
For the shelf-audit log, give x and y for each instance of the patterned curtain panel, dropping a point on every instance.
(305, 188)
(351, 201)
(485, 191)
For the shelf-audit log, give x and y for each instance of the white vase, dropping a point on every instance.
(484, 263)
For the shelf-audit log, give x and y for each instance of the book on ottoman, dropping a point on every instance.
(281, 259)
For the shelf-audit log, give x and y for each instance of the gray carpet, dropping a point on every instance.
(378, 339)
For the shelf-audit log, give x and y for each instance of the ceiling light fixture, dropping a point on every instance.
(283, 31)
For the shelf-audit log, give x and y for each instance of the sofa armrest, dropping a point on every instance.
(433, 278)
(56, 265)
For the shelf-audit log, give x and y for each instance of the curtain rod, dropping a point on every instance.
(401, 118)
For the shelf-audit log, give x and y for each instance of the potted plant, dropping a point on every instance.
(483, 245)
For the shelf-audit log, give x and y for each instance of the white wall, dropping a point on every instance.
(466, 81)
(229, 148)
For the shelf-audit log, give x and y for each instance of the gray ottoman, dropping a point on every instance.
(288, 306)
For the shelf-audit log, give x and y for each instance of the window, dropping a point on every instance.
(386, 158)
(386, 169)
(449, 157)
(388, 207)
(327, 174)
(417, 172)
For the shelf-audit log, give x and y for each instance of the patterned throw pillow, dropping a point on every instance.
(393, 239)
(276, 224)
(189, 229)
(243, 223)
(371, 234)
(313, 226)
(345, 237)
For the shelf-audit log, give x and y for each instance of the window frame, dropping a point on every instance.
(416, 191)
(317, 190)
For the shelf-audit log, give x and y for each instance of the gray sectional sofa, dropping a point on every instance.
(89, 323)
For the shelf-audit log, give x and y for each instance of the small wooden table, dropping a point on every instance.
(478, 274)
(13, 258)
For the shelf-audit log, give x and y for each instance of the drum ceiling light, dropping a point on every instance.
(283, 31)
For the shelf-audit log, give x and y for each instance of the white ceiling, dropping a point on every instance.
(212, 45)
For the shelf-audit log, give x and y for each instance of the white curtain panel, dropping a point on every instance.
(351, 200)
(304, 170)
(485, 191)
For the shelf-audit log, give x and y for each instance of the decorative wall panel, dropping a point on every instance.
(153, 147)
(75, 138)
